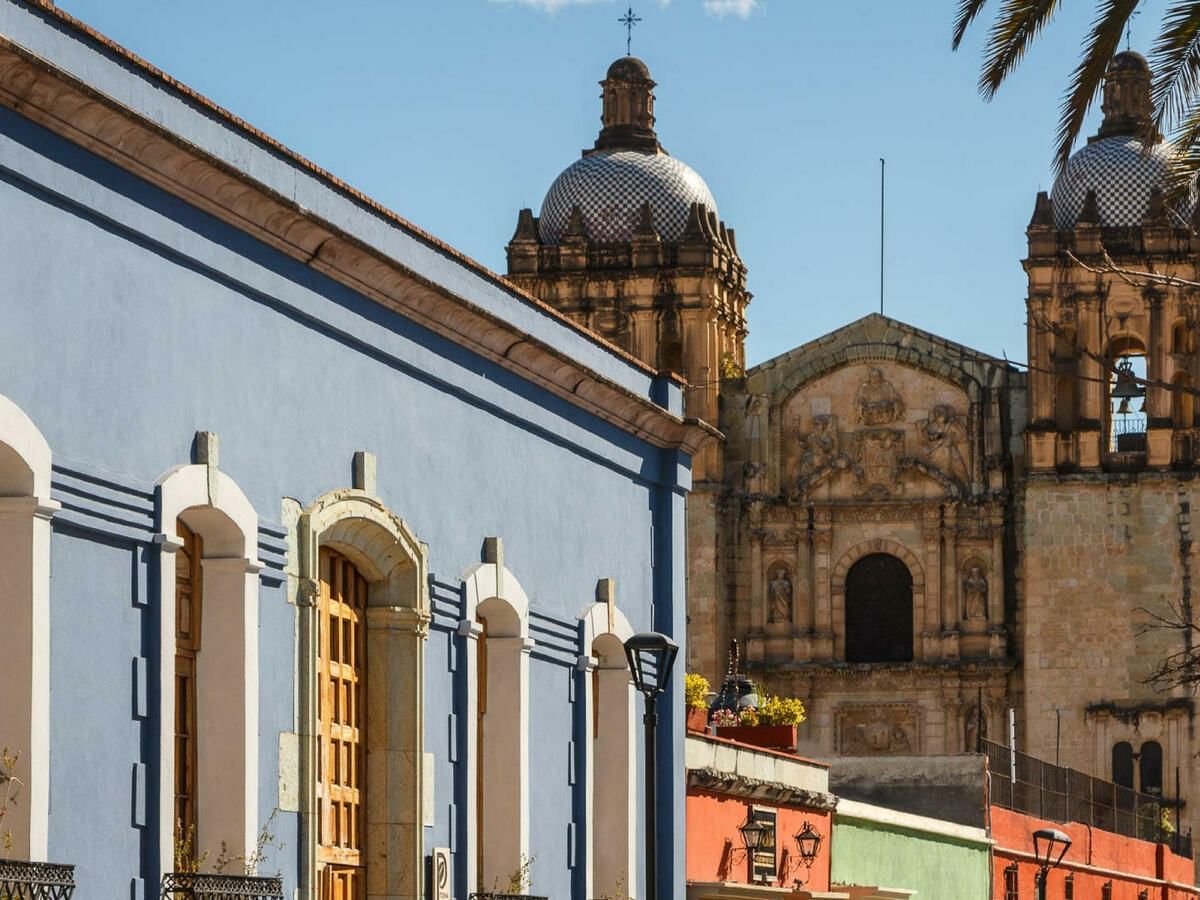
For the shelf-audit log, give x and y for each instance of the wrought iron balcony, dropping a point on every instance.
(210, 886)
(35, 881)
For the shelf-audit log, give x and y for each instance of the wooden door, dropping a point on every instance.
(341, 709)
(188, 606)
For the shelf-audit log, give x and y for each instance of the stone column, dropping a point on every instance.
(828, 638)
(758, 602)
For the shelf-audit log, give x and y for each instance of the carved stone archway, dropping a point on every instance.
(838, 589)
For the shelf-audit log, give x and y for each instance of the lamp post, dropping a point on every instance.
(1049, 847)
(651, 656)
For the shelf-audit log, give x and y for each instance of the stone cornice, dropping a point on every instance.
(37, 89)
(766, 791)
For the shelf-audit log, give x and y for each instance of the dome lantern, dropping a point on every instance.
(628, 108)
(1127, 107)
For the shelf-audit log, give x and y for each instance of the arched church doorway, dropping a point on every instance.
(879, 610)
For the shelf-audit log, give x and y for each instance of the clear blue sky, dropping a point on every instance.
(457, 113)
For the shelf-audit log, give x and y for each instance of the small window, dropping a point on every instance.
(1012, 889)
(1069, 887)
(1152, 768)
(1106, 891)
(763, 866)
(1122, 764)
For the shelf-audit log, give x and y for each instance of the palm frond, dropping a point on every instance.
(1101, 45)
(1180, 185)
(1016, 25)
(967, 11)
(1175, 60)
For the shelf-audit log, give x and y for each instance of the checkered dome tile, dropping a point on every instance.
(610, 188)
(1121, 173)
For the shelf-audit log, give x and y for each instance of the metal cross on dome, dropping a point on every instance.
(629, 20)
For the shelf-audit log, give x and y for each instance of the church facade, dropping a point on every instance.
(912, 535)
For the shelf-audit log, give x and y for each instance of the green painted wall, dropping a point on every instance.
(936, 867)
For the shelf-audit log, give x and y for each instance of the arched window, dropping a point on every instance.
(1126, 395)
(209, 671)
(498, 646)
(1181, 337)
(1150, 765)
(502, 741)
(25, 511)
(612, 762)
(1122, 764)
(341, 711)
(879, 610)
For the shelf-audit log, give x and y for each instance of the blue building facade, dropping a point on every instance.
(309, 525)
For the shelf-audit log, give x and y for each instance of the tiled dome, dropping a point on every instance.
(1120, 171)
(610, 188)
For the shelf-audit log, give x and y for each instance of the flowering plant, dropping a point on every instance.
(725, 718)
(695, 691)
(775, 710)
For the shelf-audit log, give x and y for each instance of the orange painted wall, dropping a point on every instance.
(1142, 865)
(714, 844)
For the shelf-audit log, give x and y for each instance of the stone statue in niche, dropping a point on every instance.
(780, 591)
(974, 728)
(877, 402)
(945, 436)
(754, 475)
(756, 408)
(975, 593)
(820, 447)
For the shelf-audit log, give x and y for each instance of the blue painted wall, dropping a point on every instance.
(132, 320)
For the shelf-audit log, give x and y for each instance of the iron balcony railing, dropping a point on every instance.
(35, 881)
(1065, 795)
(496, 895)
(206, 886)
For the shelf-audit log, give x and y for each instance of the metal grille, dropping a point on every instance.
(196, 886)
(1065, 795)
(35, 881)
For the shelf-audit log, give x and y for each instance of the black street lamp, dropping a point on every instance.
(1049, 847)
(808, 842)
(651, 656)
(754, 836)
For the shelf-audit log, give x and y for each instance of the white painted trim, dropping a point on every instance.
(25, 515)
(614, 772)
(227, 768)
(502, 848)
(879, 815)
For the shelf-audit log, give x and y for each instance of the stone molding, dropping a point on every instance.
(38, 90)
(765, 791)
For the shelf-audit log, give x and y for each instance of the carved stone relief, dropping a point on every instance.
(944, 435)
(877, 462)
(877, 402)
(882, 729)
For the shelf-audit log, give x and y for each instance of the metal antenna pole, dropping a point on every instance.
(882, 164)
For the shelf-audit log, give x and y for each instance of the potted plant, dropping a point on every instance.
(772, 725)
(695, 692)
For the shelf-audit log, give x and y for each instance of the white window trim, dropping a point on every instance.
(183, 488)
(484, 582)
(596, 625)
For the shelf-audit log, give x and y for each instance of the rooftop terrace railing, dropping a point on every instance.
(1060, 794)
(21, 880)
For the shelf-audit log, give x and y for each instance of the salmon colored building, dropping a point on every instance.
(1099, 865)
(731, 785)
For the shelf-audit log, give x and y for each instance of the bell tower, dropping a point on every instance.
(629, 244)
(1112, 449)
